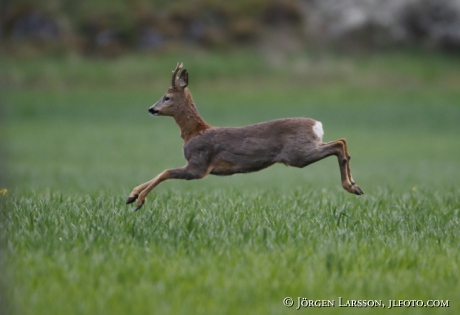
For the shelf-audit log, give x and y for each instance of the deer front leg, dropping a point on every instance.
(136, 191)
(140, 192)
(134, 195)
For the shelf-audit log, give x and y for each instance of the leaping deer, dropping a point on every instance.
(225, 151)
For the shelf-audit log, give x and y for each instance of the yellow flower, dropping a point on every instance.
(3, 191)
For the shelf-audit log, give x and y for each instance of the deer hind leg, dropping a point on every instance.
(140, 192)
(339, 148)
(348, 159)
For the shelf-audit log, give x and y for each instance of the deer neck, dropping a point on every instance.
(190, 122)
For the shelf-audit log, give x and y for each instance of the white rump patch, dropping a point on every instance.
(318, 130)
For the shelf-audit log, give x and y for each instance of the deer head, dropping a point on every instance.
(175, 98)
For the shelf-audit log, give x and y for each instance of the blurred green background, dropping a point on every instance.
(77, 79)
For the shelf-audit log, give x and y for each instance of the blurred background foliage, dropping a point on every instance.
(115, 27)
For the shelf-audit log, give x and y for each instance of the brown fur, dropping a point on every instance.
(231, 150)
(189, 120)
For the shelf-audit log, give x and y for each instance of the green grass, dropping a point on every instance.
(78, 139)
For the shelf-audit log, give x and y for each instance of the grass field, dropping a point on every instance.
(78, 138)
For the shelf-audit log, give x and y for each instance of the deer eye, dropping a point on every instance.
(167, 98)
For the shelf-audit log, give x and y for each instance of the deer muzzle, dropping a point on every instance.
(153, 111)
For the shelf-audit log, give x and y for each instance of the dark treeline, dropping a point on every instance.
(117, 26)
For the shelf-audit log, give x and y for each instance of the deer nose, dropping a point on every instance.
(153, 111)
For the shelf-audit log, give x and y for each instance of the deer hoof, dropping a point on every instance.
(138, 207)
(357, 191)
(132, 199)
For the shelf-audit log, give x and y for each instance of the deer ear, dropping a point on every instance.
(183, 79)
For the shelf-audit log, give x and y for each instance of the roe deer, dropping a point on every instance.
(230, 150)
